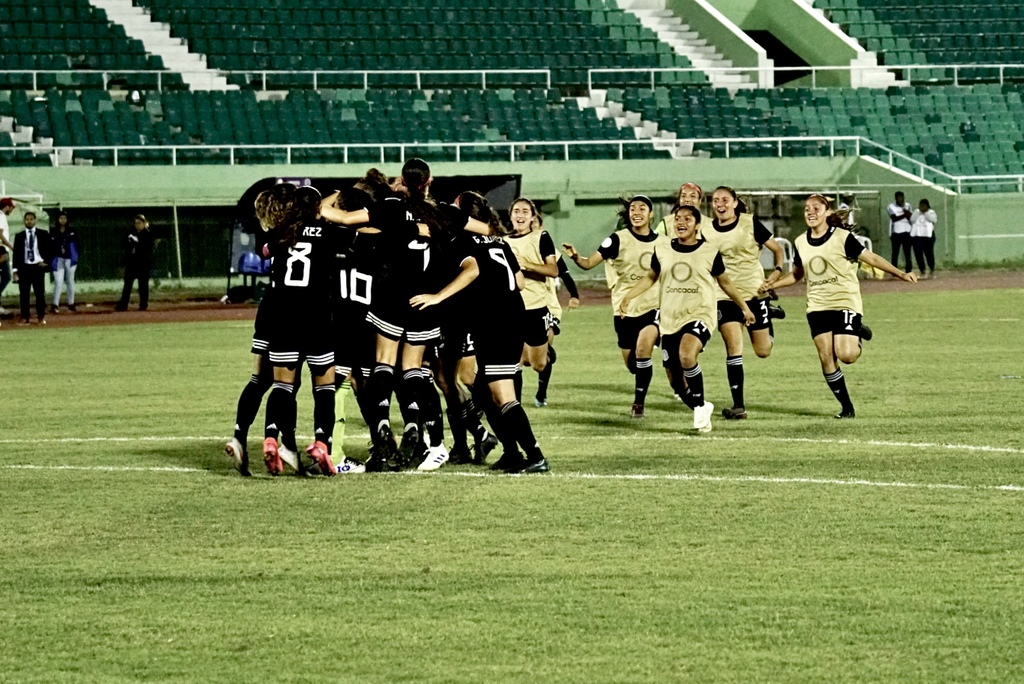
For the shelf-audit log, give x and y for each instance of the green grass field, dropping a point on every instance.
(788, 547)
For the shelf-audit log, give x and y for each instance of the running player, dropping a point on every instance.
(688, 268)
(627, 256)
(689, 195)
(739, 237)
(540, 400)
(537, 259)
(829, 255)
(302, 272)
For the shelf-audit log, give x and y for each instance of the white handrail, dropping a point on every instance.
(315, 74)
(861, 147)
(814, 70)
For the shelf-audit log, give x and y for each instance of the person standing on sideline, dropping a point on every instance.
(31, 257)
(65, 250)
(6, 248)
(829, 256)
(899, 231)
(922, 234)
(138, 262)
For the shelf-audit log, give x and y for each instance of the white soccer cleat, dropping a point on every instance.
(436, 457)
(290, 458)
(349, 467)
(702, 417)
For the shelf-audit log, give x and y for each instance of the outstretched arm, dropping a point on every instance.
(734, 294)
(791, 278)
(872, 259)
(586, 263)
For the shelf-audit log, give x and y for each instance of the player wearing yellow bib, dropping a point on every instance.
(690, 271)
(690, 195)
(828, 255)
(739, 237)
(538, 259)
(626, 255)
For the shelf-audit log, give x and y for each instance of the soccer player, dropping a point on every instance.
(627, 256)
(739, 237)
(490, 272)
(538, 260)
(829, 256)
(688, 269)
(302, 272)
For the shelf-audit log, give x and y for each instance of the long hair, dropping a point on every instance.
(627, 202)
(476, 205)
(285, 221)
(835, 219)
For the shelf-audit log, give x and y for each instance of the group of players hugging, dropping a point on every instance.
(384, 288)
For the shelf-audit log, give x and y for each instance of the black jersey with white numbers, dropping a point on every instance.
(359, 264)
(302, 274)
(494, 294)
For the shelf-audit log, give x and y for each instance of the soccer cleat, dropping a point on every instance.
(776, 312)
(318, 452)
(409, 447)
(460, 455)
(483, 448)
(538, 465)
(772, 295)
(387, 449)
(437, 456)
(846, 413)
(702, 417)
(637, 412)
(236, 452)
(734, 413)
(865, 332)
(540, 403)
(510, 462)
(347, 466)
(271, 456)
(289, 458)
(374, 462)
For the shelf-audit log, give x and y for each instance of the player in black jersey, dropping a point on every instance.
(491, 277)
(302, 275)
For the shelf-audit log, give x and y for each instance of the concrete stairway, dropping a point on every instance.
(671, 30)
(157, 39)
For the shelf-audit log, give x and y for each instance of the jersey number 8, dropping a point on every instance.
(298, 260)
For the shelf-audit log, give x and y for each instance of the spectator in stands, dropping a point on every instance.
(848, 203)
(899, 231)
(6, 248)
(31, 259)
(138, 262)
(65, 250)
(922, 233)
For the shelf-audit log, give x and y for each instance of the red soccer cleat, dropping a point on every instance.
(271, 457)
(318, 452)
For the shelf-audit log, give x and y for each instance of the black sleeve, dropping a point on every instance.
(547, 245)
(570, 284)
(718, 267)
(455, 216)
(609, 249)
(761, 234)
(797, 262)
(510, 258)
(853, 247)
(655, 264)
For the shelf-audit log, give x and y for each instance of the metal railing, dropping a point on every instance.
(998, 71)
(568, 150)
(261, 75)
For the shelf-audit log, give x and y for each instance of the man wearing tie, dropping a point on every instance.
(31, 256)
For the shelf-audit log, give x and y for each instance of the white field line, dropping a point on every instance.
(630, 437)
(681, 477)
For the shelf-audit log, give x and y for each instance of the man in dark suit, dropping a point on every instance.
(31, 259)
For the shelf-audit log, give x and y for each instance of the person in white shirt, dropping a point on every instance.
(6, 207)
(899, 231)
(922, 234)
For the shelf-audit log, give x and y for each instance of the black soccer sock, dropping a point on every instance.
(249, 402)
(323, 414)
(518, 383)
(644, 374)
(412, 390)
(837, 383)
(433, 422)
(281, 411)
(734, 370)
(499, 425)
(544, 377)
(471, 418)
(519, 425)
(457, 426)
(694, 396)
(379, 389)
